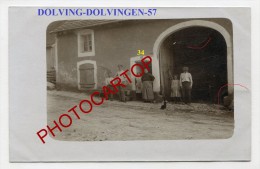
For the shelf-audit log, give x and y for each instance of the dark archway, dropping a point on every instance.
(204, 51)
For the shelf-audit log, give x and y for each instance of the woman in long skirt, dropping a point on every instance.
(147, 90)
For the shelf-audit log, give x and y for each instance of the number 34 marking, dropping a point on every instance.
(140, 52)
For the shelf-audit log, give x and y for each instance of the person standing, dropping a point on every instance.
(186, 85)
(175, 89)
(138, 88)
(121, 89)
(147, 90)
(108, 84)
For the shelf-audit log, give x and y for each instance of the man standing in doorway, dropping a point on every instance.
(186, 85)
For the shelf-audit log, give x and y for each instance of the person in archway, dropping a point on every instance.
(186, 85)
(147, 89)
(175, 89)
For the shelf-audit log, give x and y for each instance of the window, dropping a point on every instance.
(86, 43)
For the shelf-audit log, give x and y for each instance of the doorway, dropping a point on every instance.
(204, 51)
(137, 85)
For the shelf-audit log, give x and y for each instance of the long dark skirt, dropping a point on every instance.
(147, 91)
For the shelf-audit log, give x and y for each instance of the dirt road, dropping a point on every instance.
(136, 120)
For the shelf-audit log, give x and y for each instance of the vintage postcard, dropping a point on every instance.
(183, 95)
(130, 84)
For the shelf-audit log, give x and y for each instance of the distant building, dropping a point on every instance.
(85, 50)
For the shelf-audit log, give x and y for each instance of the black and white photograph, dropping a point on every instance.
(184, 91)
(130, 86)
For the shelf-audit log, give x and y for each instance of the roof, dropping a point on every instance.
(77, 24)
(50, 38)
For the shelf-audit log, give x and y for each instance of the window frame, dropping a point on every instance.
(80, 42)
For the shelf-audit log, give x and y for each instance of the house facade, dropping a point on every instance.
(86, 50)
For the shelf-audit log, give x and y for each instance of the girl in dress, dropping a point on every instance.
(175, 89)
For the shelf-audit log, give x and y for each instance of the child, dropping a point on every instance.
(175, 89)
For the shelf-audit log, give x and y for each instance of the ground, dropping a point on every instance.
(135, 120)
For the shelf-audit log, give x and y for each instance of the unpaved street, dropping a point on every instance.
(136, 120)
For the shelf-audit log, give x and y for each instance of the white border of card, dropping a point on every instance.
(27, 54)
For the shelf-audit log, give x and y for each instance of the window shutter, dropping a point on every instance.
(87, 80)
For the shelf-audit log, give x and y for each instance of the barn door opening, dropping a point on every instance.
(204, 51)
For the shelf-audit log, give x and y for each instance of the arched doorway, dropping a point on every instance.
(203, 46)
